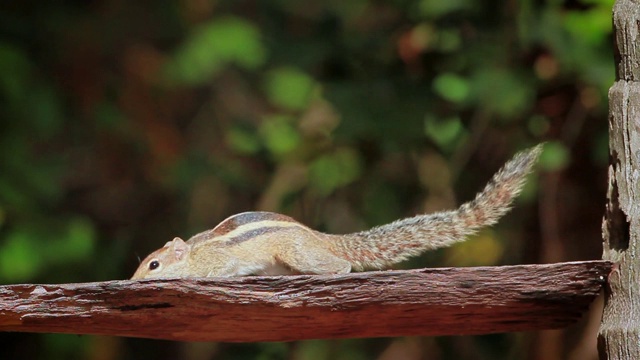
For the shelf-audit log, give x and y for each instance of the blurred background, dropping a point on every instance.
(124, 124)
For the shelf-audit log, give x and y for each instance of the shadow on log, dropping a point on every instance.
(441, 301)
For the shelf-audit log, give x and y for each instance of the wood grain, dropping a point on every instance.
(619, 333)
(441, 301)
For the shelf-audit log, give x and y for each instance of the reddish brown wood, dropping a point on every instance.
(442, 301)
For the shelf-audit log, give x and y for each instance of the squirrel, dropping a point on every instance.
(265, 243)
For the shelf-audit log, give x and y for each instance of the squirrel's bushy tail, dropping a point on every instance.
(387, 244)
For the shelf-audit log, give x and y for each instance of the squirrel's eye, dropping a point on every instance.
(154, 265)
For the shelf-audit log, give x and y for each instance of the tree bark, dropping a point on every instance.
(444, 301)
(619, 336)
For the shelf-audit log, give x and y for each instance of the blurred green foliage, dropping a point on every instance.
(289, 88)
(213, 45)
(555, 157)
(333, 171)
(127, 123)
(28, 251)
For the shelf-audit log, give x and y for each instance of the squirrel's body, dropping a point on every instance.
(259, 242)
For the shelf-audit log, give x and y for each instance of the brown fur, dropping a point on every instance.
(264, 243)
(408, 237)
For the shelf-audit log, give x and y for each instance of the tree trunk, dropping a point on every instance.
(619, 336)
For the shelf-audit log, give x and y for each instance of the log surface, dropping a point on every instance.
(440, 301)
(619, 336)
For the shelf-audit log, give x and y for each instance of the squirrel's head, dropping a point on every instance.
(169, 261)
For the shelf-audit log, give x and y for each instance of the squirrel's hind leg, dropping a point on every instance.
(313, 260)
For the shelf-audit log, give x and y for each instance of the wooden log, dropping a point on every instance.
(441, 301)
(619, 335)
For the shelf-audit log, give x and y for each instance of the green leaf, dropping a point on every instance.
(28, 250)
(79, 241)
(223, 41)
(242, 140)
(555, 156)
(289, 88)
(449, 40)
(538, 125)
(332, 171)
(502, 92)
(451, 87)
(20, 257)
(593, 26)
(279, 135)
(443, 132)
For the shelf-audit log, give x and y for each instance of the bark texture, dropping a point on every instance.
(619, 336)
(444, 301)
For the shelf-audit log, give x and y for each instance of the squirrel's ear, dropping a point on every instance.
(180, 248)
(170, 243)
